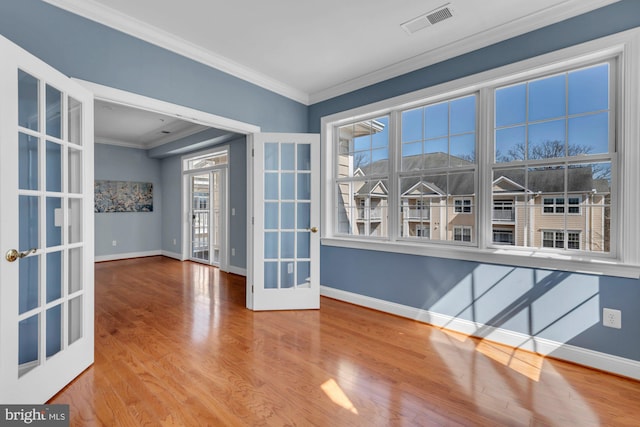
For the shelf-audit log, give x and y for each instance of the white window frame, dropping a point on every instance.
(461, 230)
(503, 230)
(461, 207)
(565, 205)
(423, 231)
(624, 257)
(565, 238)
(186, 194)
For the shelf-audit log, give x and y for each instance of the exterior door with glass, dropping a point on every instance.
(207, 216)
(46, 228)
(285, 270)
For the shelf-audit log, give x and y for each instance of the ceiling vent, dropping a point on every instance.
(428, 19)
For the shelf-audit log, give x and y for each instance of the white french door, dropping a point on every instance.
(207, 195)
(46, 228)
(284, 271)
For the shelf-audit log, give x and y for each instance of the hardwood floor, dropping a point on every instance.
(176, 346)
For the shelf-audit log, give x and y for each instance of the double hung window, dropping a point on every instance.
(362, 178)
(523, 163)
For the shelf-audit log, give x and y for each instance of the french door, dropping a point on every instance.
(46, 228)
(207, 210)
(284, 273)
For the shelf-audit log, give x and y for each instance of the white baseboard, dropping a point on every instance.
(594, 359)
(237, 270)
(116, 257)
(173, 255)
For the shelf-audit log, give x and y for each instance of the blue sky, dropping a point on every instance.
(570, 108)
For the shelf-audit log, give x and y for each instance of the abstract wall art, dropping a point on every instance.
(123, 196)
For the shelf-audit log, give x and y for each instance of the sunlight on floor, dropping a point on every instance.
(524, 398)
(337, 396)
(524, 363)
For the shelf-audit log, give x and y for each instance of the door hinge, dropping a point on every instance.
(253, 220)
(251, 288)
(253, 152)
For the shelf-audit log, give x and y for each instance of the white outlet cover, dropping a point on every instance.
(612, 318)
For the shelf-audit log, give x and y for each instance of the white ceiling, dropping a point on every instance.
(116, 124)
(314, 50)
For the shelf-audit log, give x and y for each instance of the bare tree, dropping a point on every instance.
(547, 150)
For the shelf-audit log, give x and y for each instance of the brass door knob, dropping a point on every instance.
(13, 254)
(314, 229)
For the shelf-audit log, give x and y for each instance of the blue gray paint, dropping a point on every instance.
(559, 306)
(133, 232)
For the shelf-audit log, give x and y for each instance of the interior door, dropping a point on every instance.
(285, 273)
(46, 228)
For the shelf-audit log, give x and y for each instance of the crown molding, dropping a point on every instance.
(118, 143)
(94, 11)
(551, 15)
(101, 14)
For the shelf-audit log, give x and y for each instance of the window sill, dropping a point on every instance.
(511, 257)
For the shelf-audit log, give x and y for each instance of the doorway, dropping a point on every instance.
(176, 237)
(205, 181)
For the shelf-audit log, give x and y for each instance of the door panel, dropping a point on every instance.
(46, 219)
(286, 245)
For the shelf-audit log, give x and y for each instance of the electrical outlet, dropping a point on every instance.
(612, 318)
(233, 251)
(114, 243)
(174, 242)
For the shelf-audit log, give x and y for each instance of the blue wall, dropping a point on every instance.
(559, 306)
(171, 171)
(133, 231)
(90, 51)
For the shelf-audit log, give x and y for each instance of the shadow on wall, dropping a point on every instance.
(540, 306)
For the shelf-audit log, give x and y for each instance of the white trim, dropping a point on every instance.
(130, 99)
(106, 93)
(626, 46)
(594, 359)
(173, 255)
(104, 15)
(551, 15)
(97, 12)
(115, 257)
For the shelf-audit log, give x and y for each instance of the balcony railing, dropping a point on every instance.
(374, 214)
(504, 215)
(415, 213)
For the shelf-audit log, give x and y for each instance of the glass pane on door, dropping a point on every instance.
(215, 218)
(287, 198)
(200, 198)
(50, 220)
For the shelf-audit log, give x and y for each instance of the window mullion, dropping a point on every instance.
(485, 149)
(395, 156)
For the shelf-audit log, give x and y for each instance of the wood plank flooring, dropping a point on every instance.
(175, 346)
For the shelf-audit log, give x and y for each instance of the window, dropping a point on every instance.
(503, 237)
(423, 231)
(556, 205)
(554, 133)
(461, 233)
(362, 178)
(438, 161)
(555, 239)
(535, 151)
(462, 205)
